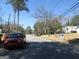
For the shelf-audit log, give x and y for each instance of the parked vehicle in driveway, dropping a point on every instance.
(13, 40)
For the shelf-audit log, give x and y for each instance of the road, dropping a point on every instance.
(32, 38)
(42, 49)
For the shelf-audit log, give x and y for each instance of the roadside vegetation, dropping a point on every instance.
(47, 22)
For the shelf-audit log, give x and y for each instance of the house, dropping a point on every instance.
(0, 30)
(71, 29)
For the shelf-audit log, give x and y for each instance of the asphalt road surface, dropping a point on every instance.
(42, 49)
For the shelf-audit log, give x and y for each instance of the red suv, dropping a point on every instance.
(13, 40)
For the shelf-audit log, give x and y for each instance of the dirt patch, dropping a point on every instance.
(67, 37)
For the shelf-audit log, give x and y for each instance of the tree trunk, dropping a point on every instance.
(8, 25)
(14, 21)
(18, 22)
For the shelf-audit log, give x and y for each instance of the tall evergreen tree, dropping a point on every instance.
(18, 5)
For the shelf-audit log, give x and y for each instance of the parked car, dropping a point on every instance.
(13, 40)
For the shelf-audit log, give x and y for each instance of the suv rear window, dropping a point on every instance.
(15, 35)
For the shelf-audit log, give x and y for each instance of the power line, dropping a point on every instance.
(75, 5)
(72, 10)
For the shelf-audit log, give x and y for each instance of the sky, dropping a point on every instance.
(26, 19)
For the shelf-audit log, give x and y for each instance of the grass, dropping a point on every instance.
(67, 37)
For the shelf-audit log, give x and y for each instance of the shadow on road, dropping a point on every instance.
(45, 50)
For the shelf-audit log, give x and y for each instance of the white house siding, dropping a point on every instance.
(78, 30)
(69, 29)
